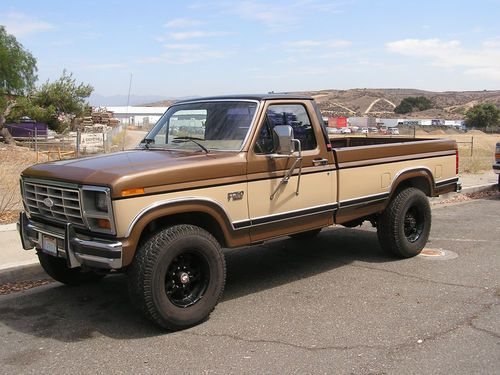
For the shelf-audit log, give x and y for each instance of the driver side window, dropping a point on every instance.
(294, 115)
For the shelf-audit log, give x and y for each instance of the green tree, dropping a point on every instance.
(17, 76)
(56, 103)
(482, 116)
(412, 103)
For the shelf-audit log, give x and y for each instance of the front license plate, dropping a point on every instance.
(49, 245)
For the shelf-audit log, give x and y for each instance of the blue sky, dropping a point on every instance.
(185, 48)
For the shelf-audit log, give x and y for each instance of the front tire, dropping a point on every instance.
(59, 271)
(177, 276)
(404, 226)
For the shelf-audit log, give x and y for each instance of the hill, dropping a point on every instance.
(381, 102)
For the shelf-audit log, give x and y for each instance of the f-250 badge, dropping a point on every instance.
(235, 195)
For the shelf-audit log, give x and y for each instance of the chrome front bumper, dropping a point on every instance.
(77, 249)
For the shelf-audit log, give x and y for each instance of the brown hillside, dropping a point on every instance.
(356, 102)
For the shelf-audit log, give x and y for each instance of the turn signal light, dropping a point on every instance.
(456, 162)
(104, 224)
(130, 192)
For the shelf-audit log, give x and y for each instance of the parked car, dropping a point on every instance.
(393, 131)
(496, 165)
(346, 131)
(364, 131)
(333, 130)
(373, 129)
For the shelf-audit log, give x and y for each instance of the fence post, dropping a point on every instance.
(77, 143)
(472, 146)
(104, 140)
(36, 140)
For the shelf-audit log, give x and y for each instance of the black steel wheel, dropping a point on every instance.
(177, 276)
(404, 226)
(187, 278)
(413, 224)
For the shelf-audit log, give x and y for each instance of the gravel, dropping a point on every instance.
(8, 288)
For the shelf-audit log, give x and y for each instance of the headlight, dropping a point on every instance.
(97, 209)
(101, 201)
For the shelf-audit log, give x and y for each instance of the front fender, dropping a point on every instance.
(233, 237)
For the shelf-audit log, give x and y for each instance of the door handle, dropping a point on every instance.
(318, 162)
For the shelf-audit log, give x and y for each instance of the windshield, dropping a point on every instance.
(204, 126)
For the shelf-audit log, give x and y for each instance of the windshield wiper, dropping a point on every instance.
(191, 139)
(147, 142)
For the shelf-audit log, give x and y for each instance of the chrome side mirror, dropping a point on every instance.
(283, 139)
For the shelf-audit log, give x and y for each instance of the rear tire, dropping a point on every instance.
(177, 276)
(59, 271)
(404, 226)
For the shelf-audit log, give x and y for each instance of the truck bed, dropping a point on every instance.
(375, 150)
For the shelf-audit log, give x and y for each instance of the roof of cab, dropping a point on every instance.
(258, 97)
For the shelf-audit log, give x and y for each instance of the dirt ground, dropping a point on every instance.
(14, 159)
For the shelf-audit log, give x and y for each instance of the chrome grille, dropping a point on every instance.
(63, 203)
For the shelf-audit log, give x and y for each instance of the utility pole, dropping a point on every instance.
(126, 113)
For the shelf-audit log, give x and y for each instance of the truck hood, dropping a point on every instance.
(155, 170)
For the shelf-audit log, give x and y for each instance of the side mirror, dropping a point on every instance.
(283, 139)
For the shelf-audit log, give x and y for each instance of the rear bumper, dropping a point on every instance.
(77, 249)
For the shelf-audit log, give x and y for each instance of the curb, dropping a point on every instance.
(467, 190)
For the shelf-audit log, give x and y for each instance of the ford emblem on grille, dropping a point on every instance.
(48, 202)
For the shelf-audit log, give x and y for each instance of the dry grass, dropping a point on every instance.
(478, 156)
(13, 160)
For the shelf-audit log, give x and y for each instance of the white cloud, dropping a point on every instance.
(182, 23)
(492, 43)
(311, 44)
(183, 35)
(20, 24)
(104, 66)
(184, 47)
(483, 61)
(184, 54)
(280, 17)
(273, 16)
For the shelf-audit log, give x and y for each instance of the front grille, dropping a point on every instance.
(62, 204)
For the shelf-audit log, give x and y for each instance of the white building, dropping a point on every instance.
(138, 116)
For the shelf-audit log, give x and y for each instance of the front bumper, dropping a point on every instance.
(78, 250)
(496, 168)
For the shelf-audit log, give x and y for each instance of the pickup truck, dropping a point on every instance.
(224, 172)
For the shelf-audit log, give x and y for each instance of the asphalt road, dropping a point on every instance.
(335, 305)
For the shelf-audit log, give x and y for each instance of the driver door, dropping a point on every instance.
(276, 209)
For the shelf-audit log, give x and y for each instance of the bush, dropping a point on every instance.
(412, 103)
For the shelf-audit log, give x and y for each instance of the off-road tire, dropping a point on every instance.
(153, 273)
(58, 269)
(306, 235)
(395, 232)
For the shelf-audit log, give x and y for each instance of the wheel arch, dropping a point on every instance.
(420, 178)
(206, 214)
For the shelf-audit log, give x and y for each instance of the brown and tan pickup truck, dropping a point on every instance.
(224, 172)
